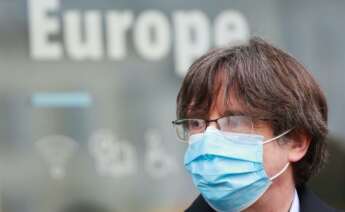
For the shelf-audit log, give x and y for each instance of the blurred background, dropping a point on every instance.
(88, 89)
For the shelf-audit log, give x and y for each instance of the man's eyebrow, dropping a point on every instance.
(196, 114)
(233, 113)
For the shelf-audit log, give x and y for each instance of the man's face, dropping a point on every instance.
(275, 155)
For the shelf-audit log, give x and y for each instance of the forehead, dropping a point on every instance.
(225, 105)
(224, 101)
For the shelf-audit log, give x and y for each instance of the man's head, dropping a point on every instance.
(271, 87)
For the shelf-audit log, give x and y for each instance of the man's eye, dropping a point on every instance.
(194, 124)
(235, 123)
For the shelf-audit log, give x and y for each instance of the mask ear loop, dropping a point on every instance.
(275, 138)
(286, 165)
(280, 172)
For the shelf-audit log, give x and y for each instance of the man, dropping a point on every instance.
(255, 121)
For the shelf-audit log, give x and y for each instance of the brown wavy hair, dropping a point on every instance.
(270, 85)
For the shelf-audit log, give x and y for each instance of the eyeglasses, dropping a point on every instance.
(234, 123)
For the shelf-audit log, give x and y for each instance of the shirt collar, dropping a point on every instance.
(295, 203)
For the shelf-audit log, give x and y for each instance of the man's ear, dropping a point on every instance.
(298, 145)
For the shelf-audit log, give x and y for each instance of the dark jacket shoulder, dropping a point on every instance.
(199, 205)
(309, 202)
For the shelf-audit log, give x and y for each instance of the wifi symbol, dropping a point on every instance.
(56, 150)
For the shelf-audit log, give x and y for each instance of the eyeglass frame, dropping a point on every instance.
(207, 121)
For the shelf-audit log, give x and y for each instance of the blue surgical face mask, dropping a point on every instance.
(227, 168)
